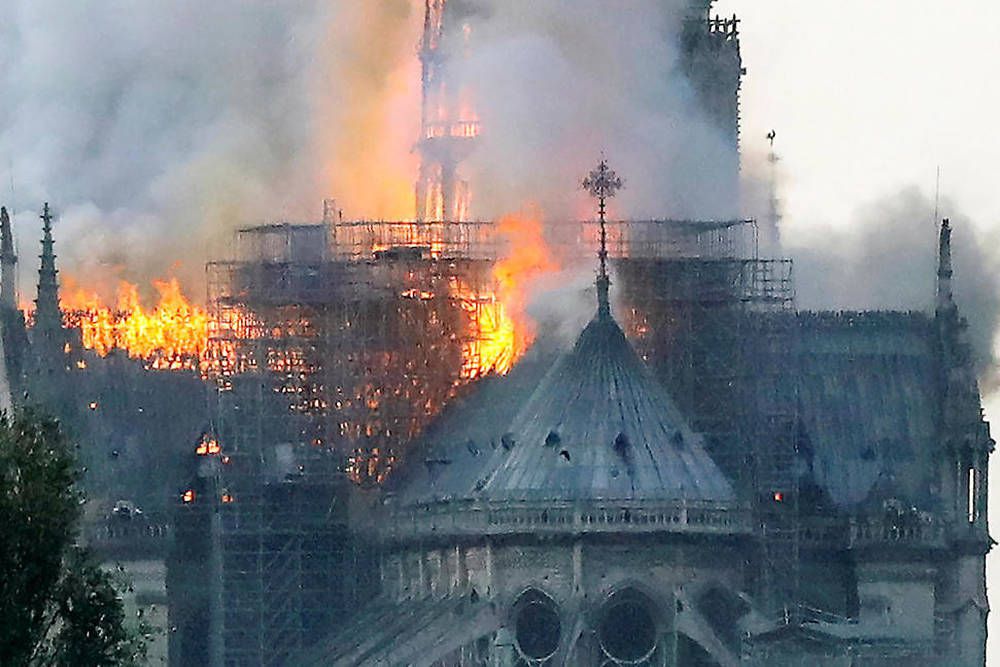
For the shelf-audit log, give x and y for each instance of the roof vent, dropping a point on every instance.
(472, 447)
(677, 439)
(622, 445)
(507, 440)
(552, 439)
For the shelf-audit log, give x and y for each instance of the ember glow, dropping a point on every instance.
(493, 348)
(171, 335)
(174, 334)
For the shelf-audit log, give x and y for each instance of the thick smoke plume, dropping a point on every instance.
(887, 259)
(557, 82)
(157, 128)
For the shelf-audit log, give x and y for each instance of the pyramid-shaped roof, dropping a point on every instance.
(600, 426)
(597, 425)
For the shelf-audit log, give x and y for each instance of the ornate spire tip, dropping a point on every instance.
(603, 183)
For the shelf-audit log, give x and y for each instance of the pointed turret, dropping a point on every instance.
(945, 298)
(961, 383)
(8, 262)
(963, 466)
(49, 337)
(968, 442)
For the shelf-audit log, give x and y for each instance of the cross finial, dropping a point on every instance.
(603, 183)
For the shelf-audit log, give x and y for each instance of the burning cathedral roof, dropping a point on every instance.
(598, 426)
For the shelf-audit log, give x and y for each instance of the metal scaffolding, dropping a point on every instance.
(357, 352)
(284, 554)
(344, 340)
(720, 335)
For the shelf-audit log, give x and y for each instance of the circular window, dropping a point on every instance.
(627, 630)
(536, 626)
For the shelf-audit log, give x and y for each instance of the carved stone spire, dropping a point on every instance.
(8, 262)
(603, 184)
(49, 338)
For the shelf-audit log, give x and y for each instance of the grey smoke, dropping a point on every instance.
(557, 82)
(155, 128)
(886, 259)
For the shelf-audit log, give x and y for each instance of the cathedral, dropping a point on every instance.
(707, 476)
(570, 514)
(704, 475)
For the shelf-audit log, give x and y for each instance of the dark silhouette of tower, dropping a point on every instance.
(8, 262)
(713, 64)
(450, 126)
(49, 338)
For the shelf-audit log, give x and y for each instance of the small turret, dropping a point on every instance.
(968, 442)
(49, 337)
(8, 262)
(963, 466)
(945, 298)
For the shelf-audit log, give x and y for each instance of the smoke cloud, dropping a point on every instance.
(887, 259)
(157, 128)
(558, 82)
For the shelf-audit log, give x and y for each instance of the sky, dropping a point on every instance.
(867, 98)
(872, 98)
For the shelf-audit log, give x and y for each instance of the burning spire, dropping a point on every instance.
(603, 184)
(449, 122)
(8, 262)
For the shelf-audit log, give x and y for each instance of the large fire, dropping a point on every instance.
(505, 329)
(171, 335)
(174, 333)
(528, 258)
(473, 323)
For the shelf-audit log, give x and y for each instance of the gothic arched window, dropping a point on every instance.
(537, 628)
(627, 628)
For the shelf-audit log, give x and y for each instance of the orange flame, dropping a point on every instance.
(504, 330)
(528, 259)
(173, 335)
